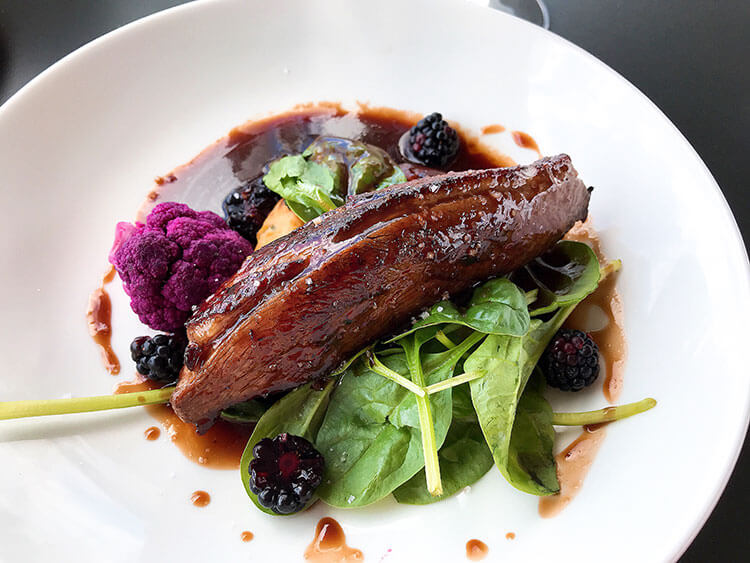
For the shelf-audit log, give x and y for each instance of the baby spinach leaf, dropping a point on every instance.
(496, 307)
(463, 409)
(531, 457)
(507, 362)
(371, 437)
(464, 459)
(563, 275)
(300, 413)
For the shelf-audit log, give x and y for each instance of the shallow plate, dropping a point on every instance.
(81, 144)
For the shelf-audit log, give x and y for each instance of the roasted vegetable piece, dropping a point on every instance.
(174, 261)
(301, 306)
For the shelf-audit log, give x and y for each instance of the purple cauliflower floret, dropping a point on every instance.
(175, 261)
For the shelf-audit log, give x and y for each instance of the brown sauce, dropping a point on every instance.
(247, 536)
(492, 129)
(525, 141)
(200, 499)
(573, 463)
(220, 447)
(152, 433)
(109, 275)
(608, 332)
(610, 338)
(329, 544)
(160, 180)
(510, 536)
(476, 550)
(99, 319)
(242, 155)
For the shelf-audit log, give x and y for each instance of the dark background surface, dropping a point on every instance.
(689, 56)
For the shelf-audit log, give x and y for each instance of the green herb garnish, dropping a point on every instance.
(330, 169)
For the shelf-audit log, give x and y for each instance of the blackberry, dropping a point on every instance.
(431, 142)
(247, 207)
(159, 357)
(571, 361)
(285, 472)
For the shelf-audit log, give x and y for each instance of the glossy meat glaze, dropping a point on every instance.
(304, 304)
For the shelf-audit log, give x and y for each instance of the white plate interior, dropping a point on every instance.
(80, 146)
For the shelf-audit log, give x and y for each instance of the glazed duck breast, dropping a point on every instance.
(304, 304)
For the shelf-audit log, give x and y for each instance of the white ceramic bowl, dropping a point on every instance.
(81, 144)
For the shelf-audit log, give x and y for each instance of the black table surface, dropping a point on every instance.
(688, 56)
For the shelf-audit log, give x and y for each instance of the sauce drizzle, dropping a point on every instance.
(573, 463)
(247, 536)
(525, 141)
(492, 129)
(99, 319)
(510, 536)
(109, 275)
(610, 338)
(200, 499)
(329, 544)
(220, 447)
(241, 156)
(476, 550)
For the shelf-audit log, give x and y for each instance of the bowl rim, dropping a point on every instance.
(47, 76)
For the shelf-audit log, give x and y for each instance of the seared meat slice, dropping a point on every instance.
(307, 302)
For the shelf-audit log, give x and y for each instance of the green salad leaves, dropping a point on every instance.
(329, 170)
(430, 411)
(372, 436)
(464, 456)
(496, 307)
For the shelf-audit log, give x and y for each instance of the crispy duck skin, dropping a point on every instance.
(304, 304)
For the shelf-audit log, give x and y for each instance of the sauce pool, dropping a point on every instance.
(492, 129)
(220, 447)
(604, 301)
(476, 550)
(573, 463)
(200, 499)
(241, 156)
(109, 275)
(329, 544)
(99, 319)
(525, 141)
